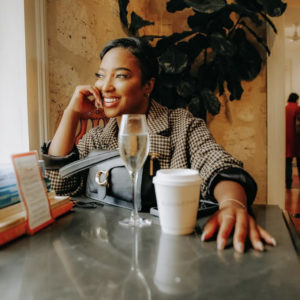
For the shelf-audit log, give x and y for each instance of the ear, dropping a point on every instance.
(149, 85)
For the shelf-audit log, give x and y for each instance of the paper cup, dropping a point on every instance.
(177, 193)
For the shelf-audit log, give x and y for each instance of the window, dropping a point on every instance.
(13, 98)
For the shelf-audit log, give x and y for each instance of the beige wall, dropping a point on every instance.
(77, 30)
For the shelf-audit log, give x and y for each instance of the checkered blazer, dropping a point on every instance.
(181, 140)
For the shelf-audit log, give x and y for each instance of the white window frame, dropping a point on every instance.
(37, 71)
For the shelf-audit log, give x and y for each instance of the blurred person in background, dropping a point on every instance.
(292, 133)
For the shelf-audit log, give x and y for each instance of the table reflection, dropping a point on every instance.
(135, 282)
(174, 274)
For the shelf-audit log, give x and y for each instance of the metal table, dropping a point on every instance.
(88, 255)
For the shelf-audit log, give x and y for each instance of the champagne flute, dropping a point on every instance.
(134, 149)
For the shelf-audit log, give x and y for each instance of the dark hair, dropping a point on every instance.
(293, 97)
(142, 50)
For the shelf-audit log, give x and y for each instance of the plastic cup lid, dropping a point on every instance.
(177, 176)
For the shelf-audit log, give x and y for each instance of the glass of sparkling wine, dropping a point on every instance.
(134, 148)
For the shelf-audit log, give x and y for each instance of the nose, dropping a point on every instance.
(106, 84)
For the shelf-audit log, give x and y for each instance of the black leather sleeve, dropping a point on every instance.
(56, 162)
(234, 174)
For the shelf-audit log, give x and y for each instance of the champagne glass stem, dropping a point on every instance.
(134, 212)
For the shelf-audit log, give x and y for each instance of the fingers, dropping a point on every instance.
(254, 235)
(227, 224)
(85, 99)
(266, 236)
(92, 94)
(244, 225)
(210, 228)
(241, 230)
(96, 94)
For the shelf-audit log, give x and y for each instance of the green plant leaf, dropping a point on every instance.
(166, 42)
(169, 80)
(123, 12)
(258, 38)
(186, 87)
(151, 37)
(250, 5)
(176, 5)
(245, 12)
(198, 22)
(210, 101)
(221, 45)
(247, 58)
(206, 101)
(207, 77)
(273, 8)
(136, 23)
(195, 45)
(196, 108)
(206, 6)
(235, 88)
(209, 23)
(173, 61)
(269, 21)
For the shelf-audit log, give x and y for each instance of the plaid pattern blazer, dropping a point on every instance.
(181, 140)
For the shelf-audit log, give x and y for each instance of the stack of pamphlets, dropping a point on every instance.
(14, 219)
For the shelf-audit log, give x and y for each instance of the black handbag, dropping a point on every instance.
(108, 179)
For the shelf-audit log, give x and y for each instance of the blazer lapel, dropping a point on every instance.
(159, 131)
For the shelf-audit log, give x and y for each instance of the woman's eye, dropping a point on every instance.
(122, 76)
(99, 75)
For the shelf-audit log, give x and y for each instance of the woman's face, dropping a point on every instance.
(120, 84)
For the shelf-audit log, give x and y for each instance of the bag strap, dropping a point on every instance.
(93, 158)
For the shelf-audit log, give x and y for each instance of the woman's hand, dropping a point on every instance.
(236, 219)
(85, 99)
(232, 216)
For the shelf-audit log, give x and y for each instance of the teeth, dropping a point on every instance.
(110, 100)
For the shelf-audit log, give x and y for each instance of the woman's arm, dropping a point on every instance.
(64, 138)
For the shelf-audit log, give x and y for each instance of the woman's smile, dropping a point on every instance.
(110, 101)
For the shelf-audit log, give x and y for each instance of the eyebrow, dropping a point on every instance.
(118, 69)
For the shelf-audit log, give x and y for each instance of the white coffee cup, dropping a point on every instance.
(177, 194)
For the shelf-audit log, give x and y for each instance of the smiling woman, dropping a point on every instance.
(125, 82)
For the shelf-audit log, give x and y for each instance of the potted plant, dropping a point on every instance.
(215, 54)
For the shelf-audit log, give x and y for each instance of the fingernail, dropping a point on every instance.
(259, 246)
(221, 244)
(203, 236)
(240, 247)
(273, 241)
